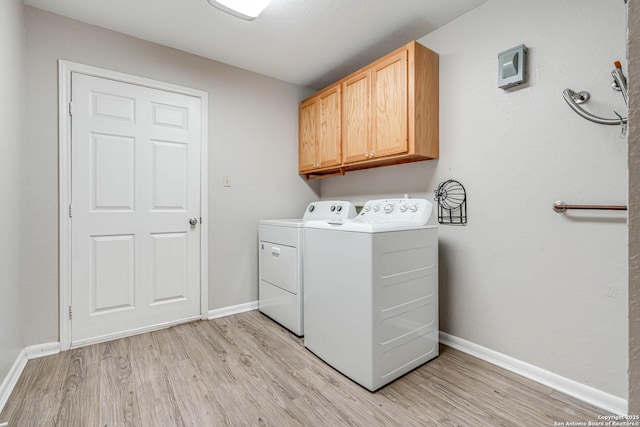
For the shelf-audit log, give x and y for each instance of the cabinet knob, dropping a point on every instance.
(366, 154)
(372, 153)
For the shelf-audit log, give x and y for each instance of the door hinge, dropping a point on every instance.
(70, 313)
(200, 220)
(70, 212)
(71, 108)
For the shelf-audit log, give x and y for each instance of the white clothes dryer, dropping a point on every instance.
(281, 284)
(371, 290)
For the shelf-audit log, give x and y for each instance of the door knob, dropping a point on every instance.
(193, 221)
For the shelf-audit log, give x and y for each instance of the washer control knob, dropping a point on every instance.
(339, 208)
(388, 208)
(367, 208)
(403, 208)
(414, 208)
(333, 208)
(312, 208)
(376, 208)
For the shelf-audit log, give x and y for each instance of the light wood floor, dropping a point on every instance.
(245, 370)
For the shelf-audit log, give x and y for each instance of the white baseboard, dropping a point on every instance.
(234, 309)
(26, 354)
(42, 350)
(12, 377)
(593, 396)
(587, 394)
(46, 349)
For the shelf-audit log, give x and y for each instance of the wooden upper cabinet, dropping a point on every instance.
(329, 141)
(384, 114)
(389, 126)
(308, 136)
(356, 117)
(320, 145)
(393, 116)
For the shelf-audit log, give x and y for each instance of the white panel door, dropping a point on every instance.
(135, 184)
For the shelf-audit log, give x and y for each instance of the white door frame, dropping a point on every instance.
(65, 68)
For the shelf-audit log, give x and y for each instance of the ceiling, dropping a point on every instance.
(310, 43)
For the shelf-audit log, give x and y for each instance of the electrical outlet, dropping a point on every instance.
(226, 181)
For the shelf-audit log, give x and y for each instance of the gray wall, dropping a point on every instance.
(634, 207)
(518, 279)
(547, 289)
(11, 109)
(252, 137)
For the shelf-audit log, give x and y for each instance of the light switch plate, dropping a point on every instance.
(512, 67)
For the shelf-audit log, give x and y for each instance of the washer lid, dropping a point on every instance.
(320, 210)
(296, 223)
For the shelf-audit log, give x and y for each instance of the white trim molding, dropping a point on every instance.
(593, 396)
(42, 350)
(12, 377)
(65, 69)
(26, 354)
(234, 309)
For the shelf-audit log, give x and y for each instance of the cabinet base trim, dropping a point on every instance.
(315, 175)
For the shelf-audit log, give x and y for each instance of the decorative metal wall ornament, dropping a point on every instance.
(452, 203)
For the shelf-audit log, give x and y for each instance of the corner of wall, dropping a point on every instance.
(633, 51)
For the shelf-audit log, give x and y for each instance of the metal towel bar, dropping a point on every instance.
(561, 207)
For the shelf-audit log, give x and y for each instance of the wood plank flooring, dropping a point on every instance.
(246, 370)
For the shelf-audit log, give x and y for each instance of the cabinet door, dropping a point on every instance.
(390, 126)
(329, 141)
(356, 133)
(308, 135)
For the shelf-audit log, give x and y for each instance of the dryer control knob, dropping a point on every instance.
(333, 208)
(414, 208)
(403, 208)
(367, 209)
(388, 208)
(312, 208)
(376, 208)
(339, 208)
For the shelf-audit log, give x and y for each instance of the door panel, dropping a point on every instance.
(169, 267)
(278, 265)
(173, 116)
(357, 117)
(112, 273)
(308, 136)
(135, 166)
(111, 106)
(112, 172)
(390, 126)
(169, 175)
(329, 146)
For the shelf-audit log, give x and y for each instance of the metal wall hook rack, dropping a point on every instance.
(574, 99)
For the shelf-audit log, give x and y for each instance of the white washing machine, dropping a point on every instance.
(371, 290)
(280, 286)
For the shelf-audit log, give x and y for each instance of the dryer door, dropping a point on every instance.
(278, 265)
